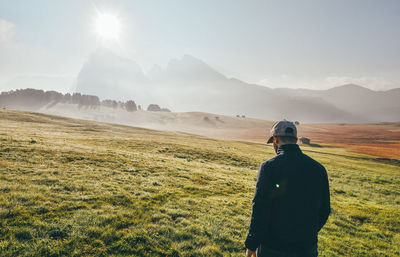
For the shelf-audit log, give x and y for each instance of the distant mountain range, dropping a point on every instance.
(189, 84)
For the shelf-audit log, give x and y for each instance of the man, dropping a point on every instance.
(291, 202)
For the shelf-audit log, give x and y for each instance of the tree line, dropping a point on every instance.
(36, 98)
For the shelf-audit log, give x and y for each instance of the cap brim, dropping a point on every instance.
(270, 140)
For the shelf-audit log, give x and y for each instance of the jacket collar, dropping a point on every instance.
(288, 148)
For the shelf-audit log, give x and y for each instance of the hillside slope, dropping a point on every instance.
(380, 139)
(74, 187)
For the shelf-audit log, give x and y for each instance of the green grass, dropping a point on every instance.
(79, 188)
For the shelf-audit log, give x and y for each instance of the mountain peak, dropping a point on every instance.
(192, 68)
(191, 58)
(352, 87)
(109, 75)
(110, 61)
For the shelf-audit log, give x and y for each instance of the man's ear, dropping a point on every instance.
(276, 140)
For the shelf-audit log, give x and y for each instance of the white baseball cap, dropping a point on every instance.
(282, 128)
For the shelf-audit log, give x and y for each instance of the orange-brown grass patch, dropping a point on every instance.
(382, 140)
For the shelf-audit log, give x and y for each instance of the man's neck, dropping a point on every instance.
(287, 148)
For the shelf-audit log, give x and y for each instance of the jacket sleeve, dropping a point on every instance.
(259, 207)
(325, 208)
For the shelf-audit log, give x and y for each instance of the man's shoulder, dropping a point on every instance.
(314, 162)
(276, 159)
(271, 162)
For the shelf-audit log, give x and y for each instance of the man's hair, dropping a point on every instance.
(287, 139)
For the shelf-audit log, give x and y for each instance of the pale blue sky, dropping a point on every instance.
(315, 44)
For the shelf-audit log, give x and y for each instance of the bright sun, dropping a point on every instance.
(108, 26)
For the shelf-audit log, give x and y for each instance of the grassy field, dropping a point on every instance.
(78, 188)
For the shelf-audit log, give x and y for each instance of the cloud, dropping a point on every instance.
(7, 30)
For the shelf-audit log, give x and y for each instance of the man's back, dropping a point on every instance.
(291, 202)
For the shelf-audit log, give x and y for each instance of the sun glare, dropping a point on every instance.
(108, 26)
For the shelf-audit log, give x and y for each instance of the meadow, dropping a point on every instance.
(80, 188)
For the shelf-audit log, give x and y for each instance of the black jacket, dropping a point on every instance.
(291, 202)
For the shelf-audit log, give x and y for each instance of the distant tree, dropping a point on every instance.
(109, 103)
(139, 107)
(297, 123)
(217, 118)
(243, 116)
(93, 101)
(130, 106)
(106, 103)
(165, 110)
(153, 108)
(114, 104)
(205, 118)
(34, 98)
(238, 116)
(67, 98)
(76, 98)
(53, 96)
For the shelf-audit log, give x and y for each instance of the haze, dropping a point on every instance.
(308, 44)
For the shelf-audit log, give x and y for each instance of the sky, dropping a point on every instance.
(315, 44)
